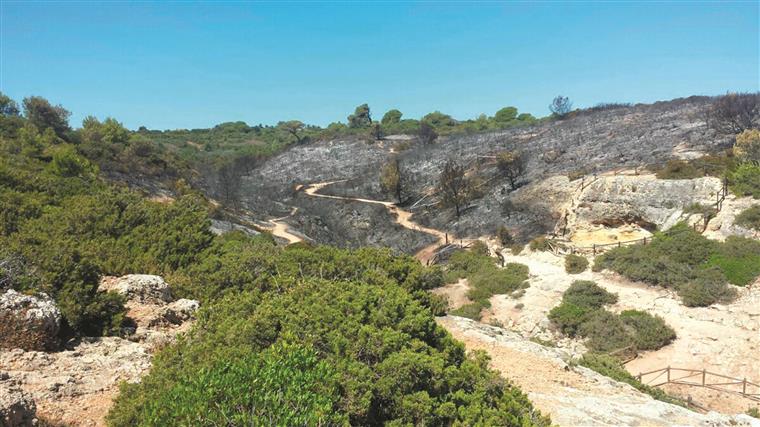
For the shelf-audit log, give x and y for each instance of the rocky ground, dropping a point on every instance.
(75, 385)
(720, 338)
(574, 395)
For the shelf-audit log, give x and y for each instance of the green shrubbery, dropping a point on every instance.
(297, 336)
(610, 366)
(650, 332)
(484, 278)
(384, 353)
(582, 313)
(283, 385)
(750, 218)
(710, 165)
(575, 264)
(682, 259)
(745, 180)
(587, 294)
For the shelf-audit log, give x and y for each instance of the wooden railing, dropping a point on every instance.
(703, 378)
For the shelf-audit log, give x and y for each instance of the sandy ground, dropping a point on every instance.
(573, 396)
(723, 338)
(455, 293)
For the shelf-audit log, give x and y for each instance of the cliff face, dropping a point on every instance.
(589, 143)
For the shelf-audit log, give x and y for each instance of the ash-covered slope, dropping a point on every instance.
(591, 141)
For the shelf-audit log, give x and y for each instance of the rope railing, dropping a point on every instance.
(680, 376)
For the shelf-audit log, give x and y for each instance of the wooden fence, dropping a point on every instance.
(701, 378)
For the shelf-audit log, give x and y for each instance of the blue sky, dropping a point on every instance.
(194, 64)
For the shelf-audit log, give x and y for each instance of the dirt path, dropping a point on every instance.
(720, 338)
(281, 229)
(403, 218)
(572, 396)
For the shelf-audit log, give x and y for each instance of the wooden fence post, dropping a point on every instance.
(593, 248)
(668, 370)
(744, 386)
(704, 374)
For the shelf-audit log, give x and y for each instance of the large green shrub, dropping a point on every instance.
(569, 317)
(649, 332)
(745, 180)
(393, 363)
(707, 287)
(575, 264)
(605, 332)
(283, 385)
(683, 259)
(750, 218)
(587, 294)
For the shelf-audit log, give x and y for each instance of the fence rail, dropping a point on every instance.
(705, 379)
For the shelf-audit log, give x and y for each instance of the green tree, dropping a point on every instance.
(505, 115)
(8, 107)
(439, 120)
(453, 185)
(294, 128)
(43, 115)
(391, 117)
(361, 117)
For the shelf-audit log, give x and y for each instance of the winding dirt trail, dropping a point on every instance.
(403, 218)
(281, 229)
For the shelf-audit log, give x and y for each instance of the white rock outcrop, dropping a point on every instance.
(17, 408)
(144, 288)
(28, 322)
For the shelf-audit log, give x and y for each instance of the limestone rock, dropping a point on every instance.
(17, 408)
(28, 322)
(144, 288)
(181, 311)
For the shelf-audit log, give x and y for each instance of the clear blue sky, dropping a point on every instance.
(188, 65)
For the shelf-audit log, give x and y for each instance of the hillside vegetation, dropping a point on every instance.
(684, 260)
(300, 335)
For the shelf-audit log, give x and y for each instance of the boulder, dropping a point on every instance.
(17, 408)
(180, 311)
(143, 288)
(29, 322)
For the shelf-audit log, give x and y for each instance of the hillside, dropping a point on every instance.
(591, 142)
(303, 278)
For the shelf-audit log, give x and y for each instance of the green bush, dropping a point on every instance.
(470, 311)
(569, 317)
(706, 288)
(605, 332)
(750, 218)
(754, 412)
(587, 294)
(575, 264)
(679, 169)
(745, 180)
(389, 360)
(283, 385)
(682, 259)
(611, 367)
(649, 332)
(485, 279)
